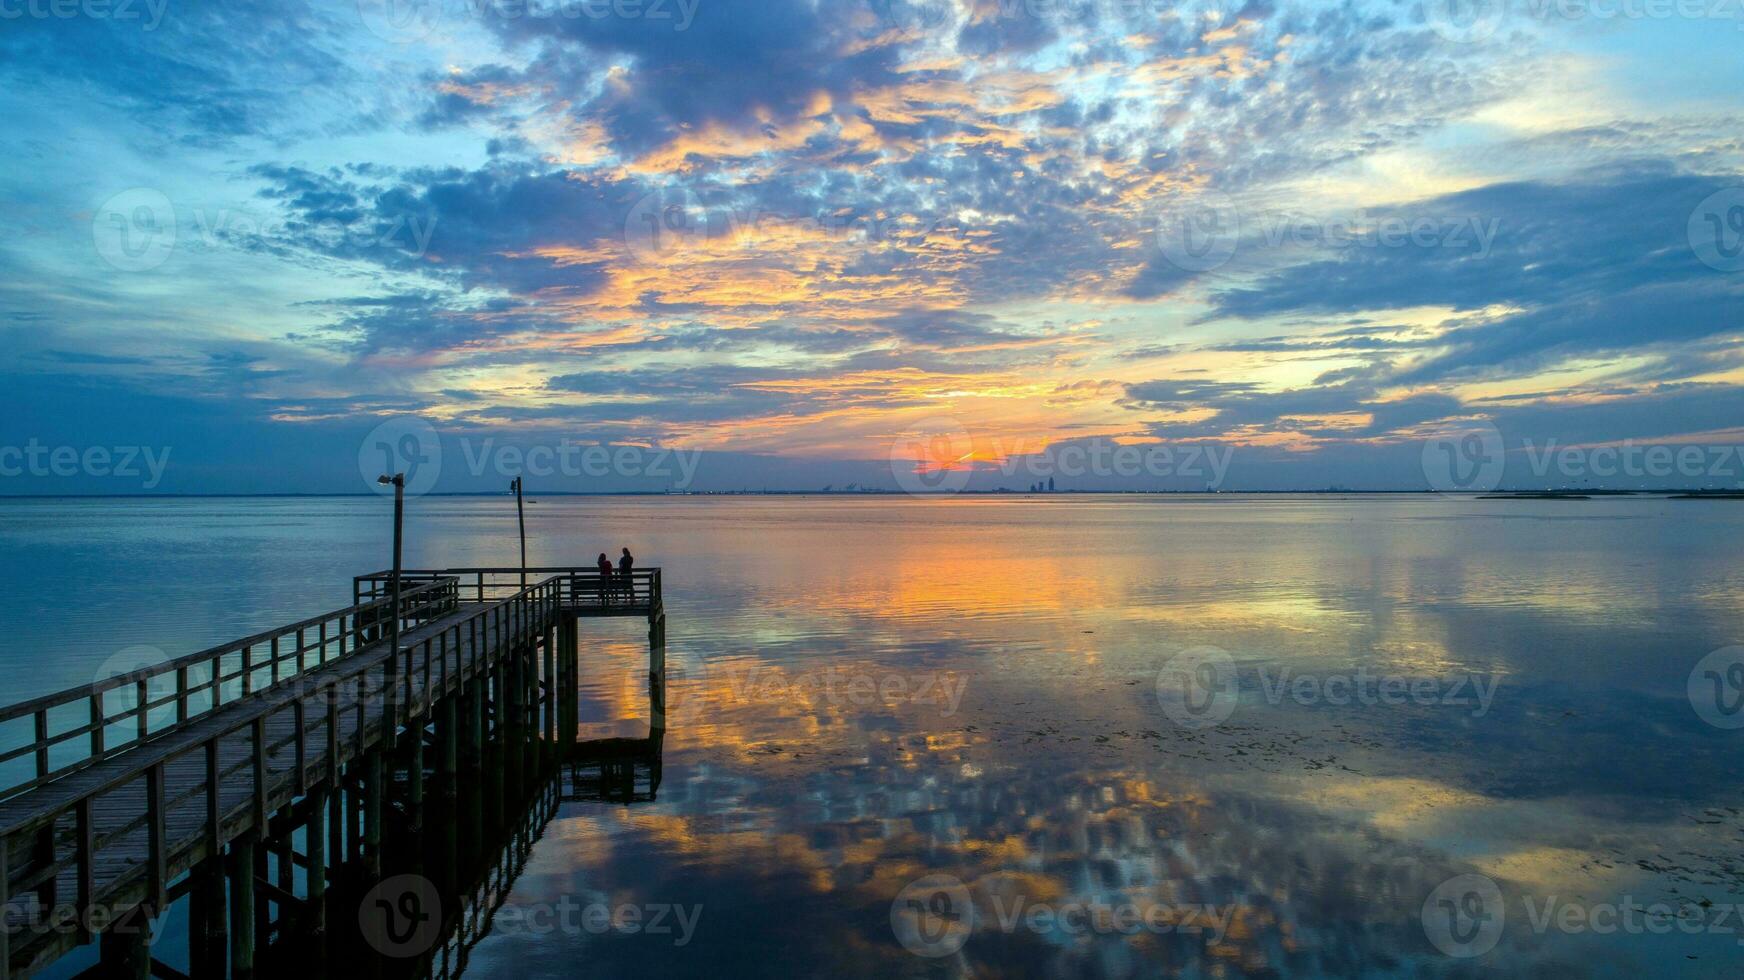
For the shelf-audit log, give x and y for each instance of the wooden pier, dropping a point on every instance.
(245, 777)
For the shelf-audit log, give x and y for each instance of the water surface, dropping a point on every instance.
(867, 693)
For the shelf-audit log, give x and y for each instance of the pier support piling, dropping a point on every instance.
(242, 906)
(336, 821)
(317, 870)
(262, 903)
(657, 643)
(448, 755)
(415, 778)
(372, 812)
(125, 947)
(208, 931)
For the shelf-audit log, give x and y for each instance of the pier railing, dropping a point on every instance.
(134, 792)
(69, 730)
(121, 839)
(582, 588)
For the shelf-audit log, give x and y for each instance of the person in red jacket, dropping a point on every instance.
(605, 579)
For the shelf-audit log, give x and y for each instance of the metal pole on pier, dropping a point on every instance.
(521, 518)
(398, 480)
(389, 686)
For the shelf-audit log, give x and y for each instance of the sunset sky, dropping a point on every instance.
(1312, 233)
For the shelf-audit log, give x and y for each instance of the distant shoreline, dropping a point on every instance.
(534, 494)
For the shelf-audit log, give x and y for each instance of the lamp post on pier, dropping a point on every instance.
(521, 519)
(398, 482)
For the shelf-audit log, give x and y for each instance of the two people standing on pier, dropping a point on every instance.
(610, 583)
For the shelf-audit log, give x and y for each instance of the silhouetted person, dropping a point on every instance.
(605, 582)
(626, 562)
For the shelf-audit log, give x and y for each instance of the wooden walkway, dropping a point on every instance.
(240, 740)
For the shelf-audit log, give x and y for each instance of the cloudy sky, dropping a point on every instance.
(807, 237)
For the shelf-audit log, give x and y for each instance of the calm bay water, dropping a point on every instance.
(1272, 726)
